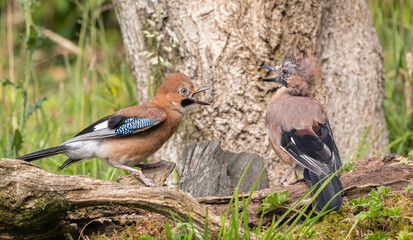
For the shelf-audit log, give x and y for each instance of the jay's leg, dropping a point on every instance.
(148, 182)
(150, 165)
(283, 180)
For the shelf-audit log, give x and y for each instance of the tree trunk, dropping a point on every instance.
(224, 43)
(206, 162)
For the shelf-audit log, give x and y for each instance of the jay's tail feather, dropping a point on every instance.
(43, 153)
(329, 191)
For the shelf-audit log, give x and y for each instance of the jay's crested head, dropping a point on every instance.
(295, 73)
(178, 90)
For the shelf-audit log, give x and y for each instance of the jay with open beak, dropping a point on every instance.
(298, 128)
(129, 136)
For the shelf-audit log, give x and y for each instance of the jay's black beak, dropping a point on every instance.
(271, 68)
(278, 79)
(193, 100)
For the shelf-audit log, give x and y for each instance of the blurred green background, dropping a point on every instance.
(51, 89)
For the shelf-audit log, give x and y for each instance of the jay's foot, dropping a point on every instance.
(283, 181)
(148, 182)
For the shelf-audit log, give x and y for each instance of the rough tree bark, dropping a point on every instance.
(224, 43)
(38, 204)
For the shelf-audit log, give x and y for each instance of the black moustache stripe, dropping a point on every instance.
(186, 102)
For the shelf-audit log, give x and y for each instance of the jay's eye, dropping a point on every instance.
(284, 71)
(183, 91)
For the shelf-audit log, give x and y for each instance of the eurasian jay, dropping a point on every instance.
(129, 136)
(298, 128)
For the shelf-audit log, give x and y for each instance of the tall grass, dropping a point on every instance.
(40, 111)
(393, 21)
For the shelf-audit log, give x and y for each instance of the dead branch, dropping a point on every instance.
(63, 42)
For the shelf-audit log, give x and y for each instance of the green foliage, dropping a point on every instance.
(373, 205)
(19, 110)
(410, 155)
(376, 236)
(181, 231)
(365, 144)
(232, 231)
(273, 201)
(405, 236)
(68, 236)
(348, 167)
(299, 224)
(145, 237)
(409, 187)
(373, 209)
(393, 23)
(15, 132)
(184, 230)
(45, 104)
(295, 226)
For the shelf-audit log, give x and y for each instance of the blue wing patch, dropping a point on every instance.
(130, 125)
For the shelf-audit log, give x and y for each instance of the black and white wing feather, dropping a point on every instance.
(121, 124)
(313, 148)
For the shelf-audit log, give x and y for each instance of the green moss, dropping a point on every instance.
(409, 187)
(141, 229)
(8, 201)
(37, 211)
(32, 210)
(25, 211)
(336, 225)
(348, 167)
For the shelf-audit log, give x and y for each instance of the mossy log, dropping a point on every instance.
(38, 204)
(391, 171)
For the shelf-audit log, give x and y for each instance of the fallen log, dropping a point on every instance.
(391, 171)
(38, 204)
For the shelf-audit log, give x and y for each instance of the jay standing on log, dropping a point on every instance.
(129, 136)
(298, 128)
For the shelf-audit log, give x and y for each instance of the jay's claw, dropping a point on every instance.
(148, 182)
(284, 183)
